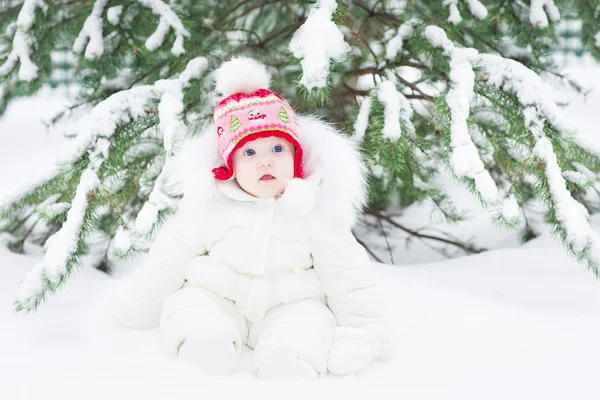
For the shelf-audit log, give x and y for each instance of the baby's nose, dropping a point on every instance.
(266, 162)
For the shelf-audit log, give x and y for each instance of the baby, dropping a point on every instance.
(260, 251)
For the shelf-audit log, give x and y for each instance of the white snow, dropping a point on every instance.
(477, 9)
(582, 176)
(156, 40)
(178, 48)
(59, 247)
(597, 37)
(90, 38)
(362, 120)
(394, 46)
(465, 159)
(122, 241)
(454, 17)
(505, 324)
(170, 112)
(193, 70)
(387, 94)
(168, 20)
(437, 37)
(114, 14)
(511, 211)
(22, 42)
(56, 208)
(542, 10)
(317, 42)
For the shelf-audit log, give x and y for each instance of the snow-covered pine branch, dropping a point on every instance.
(394, 45)
(397, 113)
(538, 109)
(64, 247)
(464, 158)
(114, 14)
(542, 10)
(362, 120)
(173, 129)
(477, 9)
(23, 43)
(90, 38)
(397, 110)
(168, 20)
(317, 43)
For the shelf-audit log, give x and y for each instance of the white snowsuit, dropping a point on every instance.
(284, 276)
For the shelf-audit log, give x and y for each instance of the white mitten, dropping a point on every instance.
(299, 196)
(352, 349)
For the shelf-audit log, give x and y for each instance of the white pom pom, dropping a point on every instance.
(241, 75)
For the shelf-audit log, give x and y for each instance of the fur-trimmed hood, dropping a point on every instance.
(332, 164)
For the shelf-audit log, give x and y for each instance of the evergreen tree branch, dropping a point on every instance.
(467, 248)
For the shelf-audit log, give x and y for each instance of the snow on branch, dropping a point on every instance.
(477, 9)
(316, 43)
(362, 120)
(405, 31)
(104, 120)
(168, 20)
(63, 247)
(533, 95)
(22, 43)
(91, 33)
(597, 38)
(114, 15)
(396, 110)
(173, 128)
(542, 10)
(464, 159)
(538, 108)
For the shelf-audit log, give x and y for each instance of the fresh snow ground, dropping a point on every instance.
(506, 324)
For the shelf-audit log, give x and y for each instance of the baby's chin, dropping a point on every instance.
(265, 190)
(264, 193)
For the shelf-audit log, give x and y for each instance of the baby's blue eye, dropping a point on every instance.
(278, 148)
(249, 152)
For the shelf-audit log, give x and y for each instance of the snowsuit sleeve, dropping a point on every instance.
(178, 241)
(349, 283)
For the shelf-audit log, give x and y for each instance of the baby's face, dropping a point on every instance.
(263, 166)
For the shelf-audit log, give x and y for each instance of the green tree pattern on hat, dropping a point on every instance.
(283, 115)
(235, 124)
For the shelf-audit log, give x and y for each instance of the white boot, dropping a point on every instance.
(213, 351)
(352, 349)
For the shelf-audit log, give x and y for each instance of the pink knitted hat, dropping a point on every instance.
(250, 111)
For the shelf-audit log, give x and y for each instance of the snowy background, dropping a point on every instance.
(518, 322)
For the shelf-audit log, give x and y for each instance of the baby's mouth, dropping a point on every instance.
(267, 177)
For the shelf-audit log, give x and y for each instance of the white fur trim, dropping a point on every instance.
(191, 170)
(241, 75)
(343, 191)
